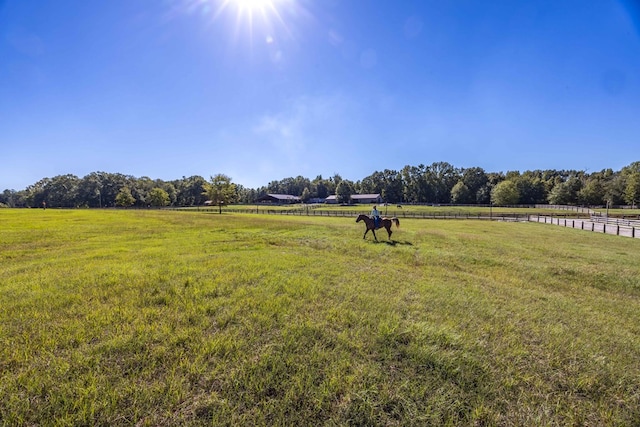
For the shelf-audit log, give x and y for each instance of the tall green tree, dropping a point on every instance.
(124, 198)
(170, 189)
(460, 194)
(90, 191)
(505, 193)
(36, 193)
(566, 192)
(141, 190)
(62, 191)
(531, 189)
(13, 198)
(306, 195)
(189, 191)
(628, 183)
(475, 179)
(245, 195)
(220, 191)
(392, 190)
(592, 192)
(442, 176)
(321, 189)
(158, 197)
(631, 168)
(111, 183)
(614, 189)
(344, 190)
(373, 183)
(632, 189)
(415, 186)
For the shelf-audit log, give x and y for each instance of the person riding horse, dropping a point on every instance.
(376, 217)
(383, 222)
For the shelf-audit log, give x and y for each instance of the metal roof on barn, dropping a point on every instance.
(279, 198)
(365, 196)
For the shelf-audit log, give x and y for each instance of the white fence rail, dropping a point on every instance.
(603, 219)
(627, 228)
(578, 209)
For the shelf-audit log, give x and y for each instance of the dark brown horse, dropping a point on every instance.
(384, 222)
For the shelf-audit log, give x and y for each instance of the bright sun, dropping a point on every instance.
(253, 4)
(256, 16)
(272, 22)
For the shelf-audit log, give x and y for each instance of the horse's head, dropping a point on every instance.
(360, 218)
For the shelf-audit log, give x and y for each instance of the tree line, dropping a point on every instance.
(438, 183)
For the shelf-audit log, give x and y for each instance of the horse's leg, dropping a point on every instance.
(374, 234)
(389, 232)
(365, 233)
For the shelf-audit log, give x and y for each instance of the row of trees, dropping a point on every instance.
(442, 183)
(103, 189)
(437, 183)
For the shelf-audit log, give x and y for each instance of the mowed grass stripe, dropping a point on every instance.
(164, 318)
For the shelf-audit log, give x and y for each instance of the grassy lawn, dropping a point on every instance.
(192, 318)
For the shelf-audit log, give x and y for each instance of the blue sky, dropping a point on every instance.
(263, 90)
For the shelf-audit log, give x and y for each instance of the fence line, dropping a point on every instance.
(615, 221)
(355, 212)
(578, 209)
(399, 214)
(613, 226)
(605, 227)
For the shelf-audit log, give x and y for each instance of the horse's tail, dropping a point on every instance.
(397, 221)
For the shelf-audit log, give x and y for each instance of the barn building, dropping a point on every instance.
(332, 200)
(278, 199)
(357, 198)
(366, 198)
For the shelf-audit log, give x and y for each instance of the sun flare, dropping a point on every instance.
(256, 18)
(253, 4)
(251, 9)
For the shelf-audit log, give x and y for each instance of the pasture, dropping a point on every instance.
(191, 318)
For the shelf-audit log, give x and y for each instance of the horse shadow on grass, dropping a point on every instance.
(394, 242)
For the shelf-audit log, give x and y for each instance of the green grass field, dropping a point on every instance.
(189, 318)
